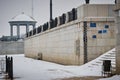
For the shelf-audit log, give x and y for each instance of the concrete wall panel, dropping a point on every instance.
(11, 47)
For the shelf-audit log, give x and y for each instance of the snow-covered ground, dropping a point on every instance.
(116, 77)
(31, 69)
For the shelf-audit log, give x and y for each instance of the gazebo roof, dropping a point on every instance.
(22, 17)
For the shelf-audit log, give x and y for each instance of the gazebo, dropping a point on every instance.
(21, 20)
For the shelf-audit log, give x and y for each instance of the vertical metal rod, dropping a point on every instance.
(6, 63)
(85, 42)
(32, 9)
(50, 10)
(11, 30)
(8, 67)
(11, 68)
(87, 1)
(18, 31)
(115, 1)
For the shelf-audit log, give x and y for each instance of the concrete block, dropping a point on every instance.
(85, 11)
(110, 10)
(80, 12)
(102, 11)
(12, 47)
(92, 42)
(118, 40)
(92, 10)
(101, 42)
(99, 36)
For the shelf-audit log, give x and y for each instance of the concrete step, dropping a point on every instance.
(95, 64)
(100, 62)
(114, 51)
(108, 58)
(110, 55)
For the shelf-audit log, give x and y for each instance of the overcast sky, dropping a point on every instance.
(11, 8)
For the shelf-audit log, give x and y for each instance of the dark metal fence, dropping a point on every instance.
(106, 68)
(2, 65)
(9, 67)
(72, 15)
(39, 29)
(6, 67)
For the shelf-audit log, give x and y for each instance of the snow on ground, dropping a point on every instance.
(31, 69)
(116, 77)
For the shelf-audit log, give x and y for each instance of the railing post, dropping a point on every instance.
(9, 67)
(6, 59)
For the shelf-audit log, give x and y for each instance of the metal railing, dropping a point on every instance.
(6, 67)
(2, 65)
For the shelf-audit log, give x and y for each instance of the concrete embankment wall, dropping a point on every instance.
(117, 16)
(11, 47)
(66, 43)
(56, 45)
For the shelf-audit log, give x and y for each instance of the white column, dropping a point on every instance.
(27, 28)
(33, 26)
(18, 31)
(11, 30)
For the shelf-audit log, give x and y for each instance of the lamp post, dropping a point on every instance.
(50, 10)
(87, 1)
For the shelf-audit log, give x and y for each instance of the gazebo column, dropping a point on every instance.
(27, 28)
(33, 26)
(18, 31)
(11, 30)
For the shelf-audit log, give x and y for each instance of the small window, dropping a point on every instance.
(92, 24)
(100, 31)
(104, 31)
(106, 26)
(94, 36)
